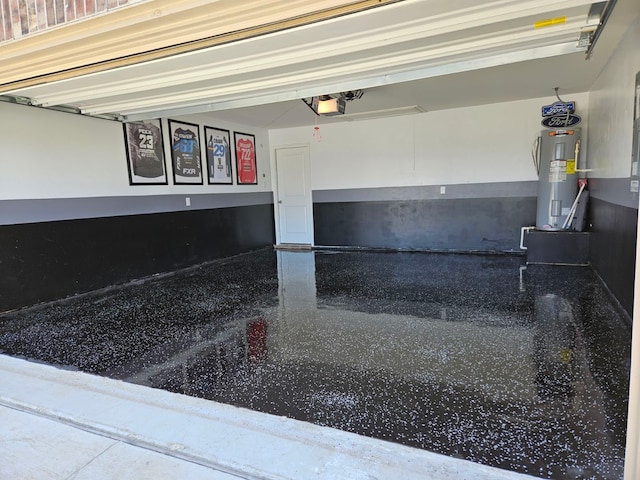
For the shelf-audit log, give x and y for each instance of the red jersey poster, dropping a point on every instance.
(246, 159)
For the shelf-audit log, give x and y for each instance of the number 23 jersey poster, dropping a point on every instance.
(246, 159)
(185, 152)
(145, 153)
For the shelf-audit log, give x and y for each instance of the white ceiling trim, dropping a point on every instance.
(323, 71)
(388, 112)
(402, 41)
(203, 105)
(207, 64)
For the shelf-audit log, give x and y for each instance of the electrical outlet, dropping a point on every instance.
(443, 190)
(187, 201)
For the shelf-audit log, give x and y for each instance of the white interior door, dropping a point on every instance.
(295, 209)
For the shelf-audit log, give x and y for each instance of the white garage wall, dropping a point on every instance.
(49, 154)
(481, 144)
(52, 155)
(611, 106)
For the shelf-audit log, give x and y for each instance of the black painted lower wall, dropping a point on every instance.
(612, 250)
(51, 260)
(467, 224)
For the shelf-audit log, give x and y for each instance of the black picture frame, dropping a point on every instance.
(246, 161)
(145, 153)
(186, 155)
(218, 152)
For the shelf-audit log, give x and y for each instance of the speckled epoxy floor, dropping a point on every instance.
(475, 357)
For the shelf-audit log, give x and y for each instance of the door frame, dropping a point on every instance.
(276, 205)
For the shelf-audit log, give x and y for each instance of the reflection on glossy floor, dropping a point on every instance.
(476, 357)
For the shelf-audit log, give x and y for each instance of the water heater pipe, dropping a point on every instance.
(575, 156)
(522, 230)
(572, 211)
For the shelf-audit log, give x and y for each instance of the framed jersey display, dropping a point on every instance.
(246, 168)
(185, 153)
(145, 153)
(218, 156)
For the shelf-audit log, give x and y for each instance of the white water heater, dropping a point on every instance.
(558, 182)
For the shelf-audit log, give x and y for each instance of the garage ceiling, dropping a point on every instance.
(408, 56)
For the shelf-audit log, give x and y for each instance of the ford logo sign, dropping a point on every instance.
(558, 108)
(561, 121)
